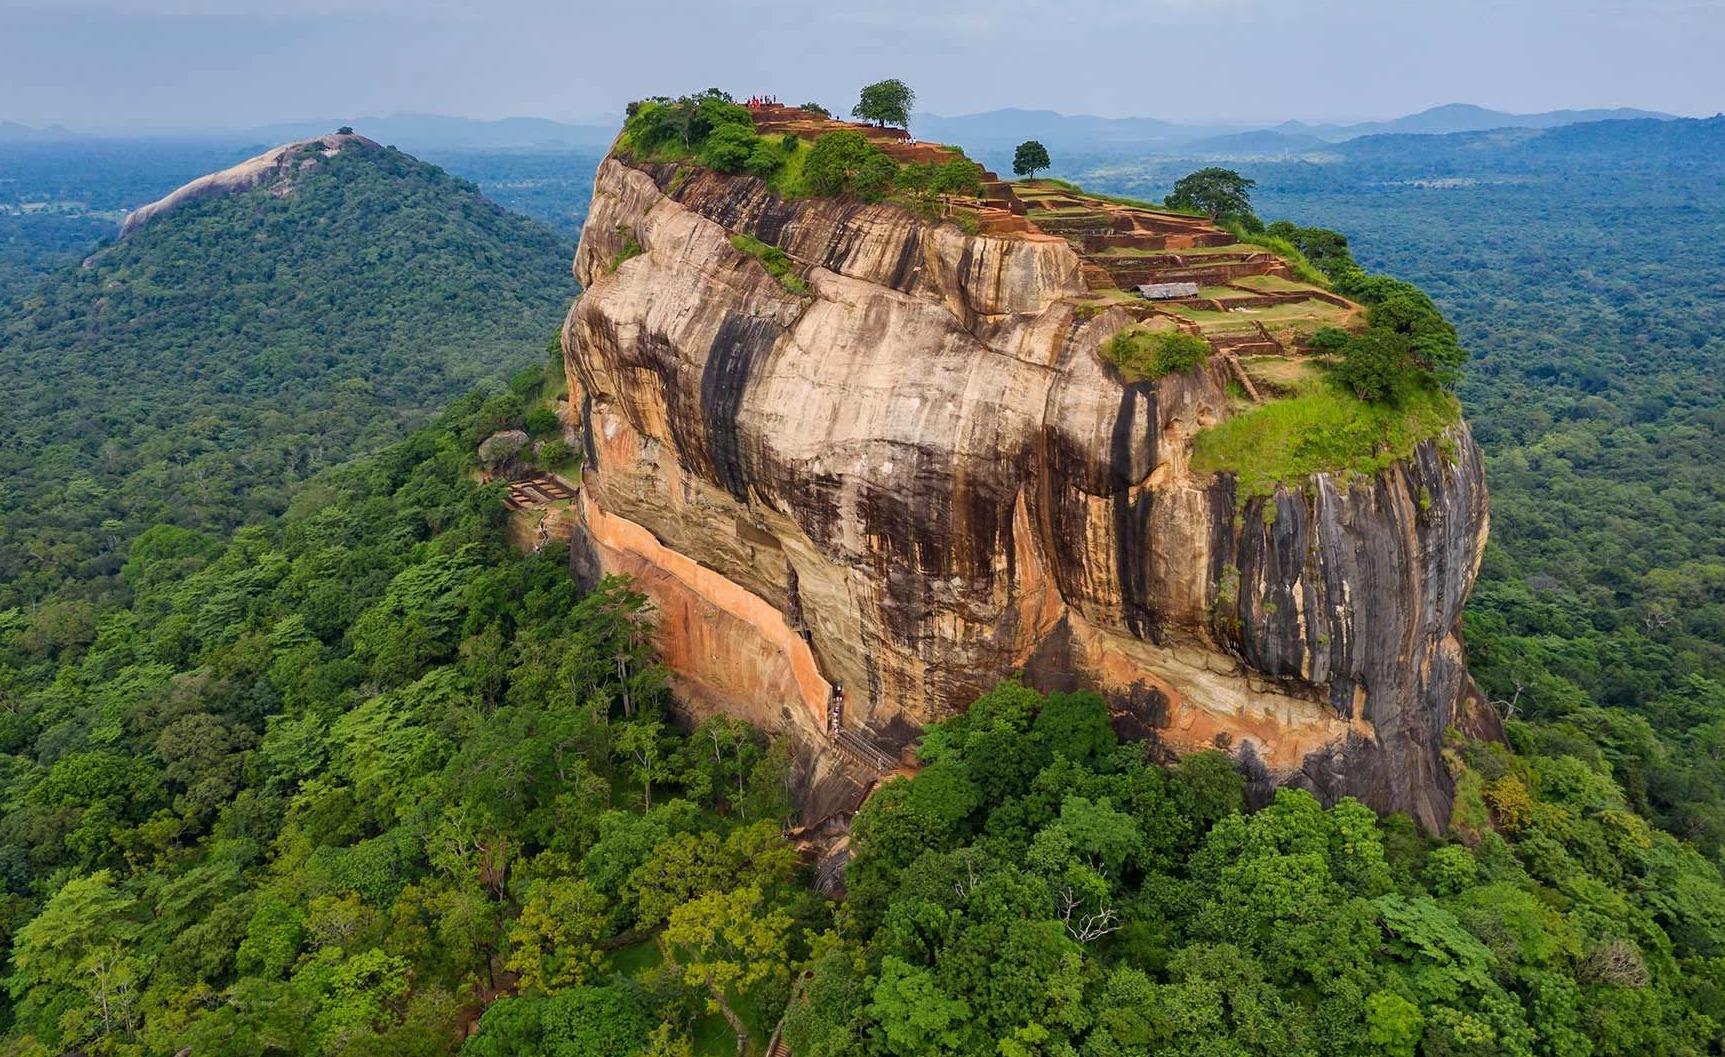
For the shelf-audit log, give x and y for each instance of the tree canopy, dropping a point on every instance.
(1030, 157)
(886, 102)
(1221, 194)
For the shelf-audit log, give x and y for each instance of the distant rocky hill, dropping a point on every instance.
(276, 169)
(251, 328)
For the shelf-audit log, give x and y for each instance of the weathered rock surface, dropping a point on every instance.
(923, 478)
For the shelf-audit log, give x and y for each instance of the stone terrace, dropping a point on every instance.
(1249, 303)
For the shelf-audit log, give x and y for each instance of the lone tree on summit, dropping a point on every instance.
(1030, 156)
(886, 103)
(1222, 193)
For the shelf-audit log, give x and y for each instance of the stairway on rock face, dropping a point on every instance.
(863, 750)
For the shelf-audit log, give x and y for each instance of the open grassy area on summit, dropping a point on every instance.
(1321, 429)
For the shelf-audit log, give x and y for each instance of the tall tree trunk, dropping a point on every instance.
(733, 1020)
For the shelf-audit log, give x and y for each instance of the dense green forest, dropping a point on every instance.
(193, 372)
(363, 780)
(60, 198)
(1038, 888)
(331, 785)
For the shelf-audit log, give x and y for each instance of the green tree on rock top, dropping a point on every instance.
(1030, 156)
(1222, 194)
(886, 103)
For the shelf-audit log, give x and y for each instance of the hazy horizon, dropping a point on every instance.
(160, 65)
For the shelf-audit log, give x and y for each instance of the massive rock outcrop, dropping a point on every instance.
(921, 477)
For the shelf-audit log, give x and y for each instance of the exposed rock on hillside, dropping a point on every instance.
(923, 478)
(271, 167)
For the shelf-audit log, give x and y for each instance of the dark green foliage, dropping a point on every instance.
(729, 147)
(1326, 249)
(846, 162)
(1030, 157)
(199, 369)
(886, 102)
(926, 185)
(1222, 194)
(1407, 344)
(1038, 888)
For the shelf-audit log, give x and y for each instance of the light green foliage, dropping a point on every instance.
(554, 939)
(1144, 355)
(1450, 869)
(731, 943)
(1393, 1024)
(1321, 430)
(915, 1016)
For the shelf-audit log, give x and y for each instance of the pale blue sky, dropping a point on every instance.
(177, 63)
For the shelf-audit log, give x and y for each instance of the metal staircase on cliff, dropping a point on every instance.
(862, 749)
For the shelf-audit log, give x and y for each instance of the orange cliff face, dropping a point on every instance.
(922, 478)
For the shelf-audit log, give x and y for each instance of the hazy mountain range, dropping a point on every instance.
(985, 131)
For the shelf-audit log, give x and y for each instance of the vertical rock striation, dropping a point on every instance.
(921, 478)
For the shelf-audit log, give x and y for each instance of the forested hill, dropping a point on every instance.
(194, 371)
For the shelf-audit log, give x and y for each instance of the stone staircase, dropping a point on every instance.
(1239, 372)
(862, 750)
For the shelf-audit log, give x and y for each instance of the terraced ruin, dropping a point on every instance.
(1243, 299)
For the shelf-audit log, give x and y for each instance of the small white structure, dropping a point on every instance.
(1167, 291)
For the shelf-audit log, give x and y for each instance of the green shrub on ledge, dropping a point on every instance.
(778, 264)
(1143, 355)
(631, 246)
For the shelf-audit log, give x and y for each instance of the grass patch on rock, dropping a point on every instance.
(778, 264)
(1321, 429)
